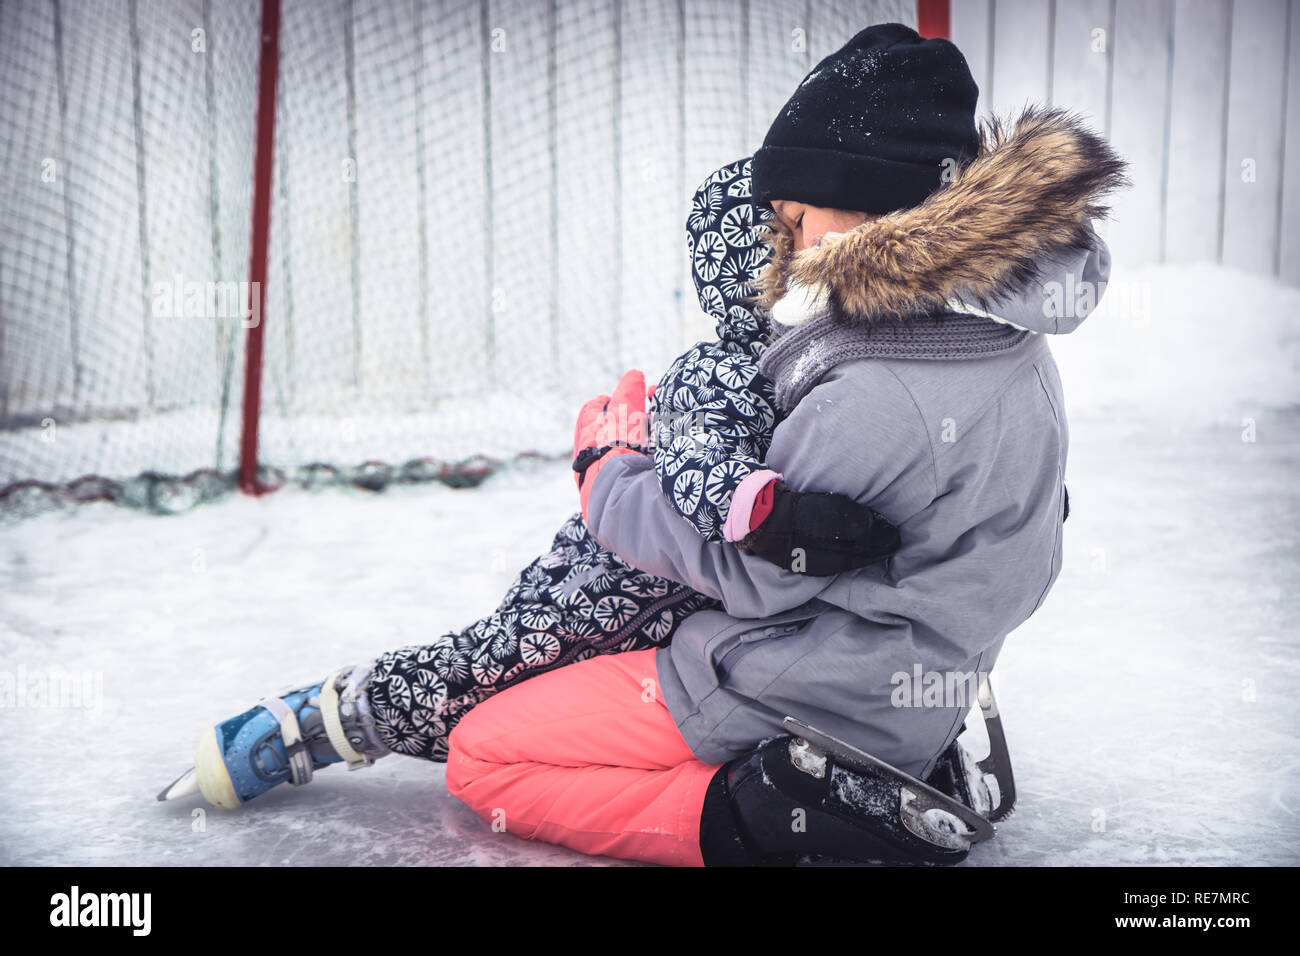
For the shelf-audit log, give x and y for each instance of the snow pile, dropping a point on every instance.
(1192, 344)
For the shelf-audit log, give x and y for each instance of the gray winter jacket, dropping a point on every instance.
(967, 457)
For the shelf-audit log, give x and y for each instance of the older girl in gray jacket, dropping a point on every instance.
(902, 393)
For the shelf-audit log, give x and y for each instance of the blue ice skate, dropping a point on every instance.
(284, 739)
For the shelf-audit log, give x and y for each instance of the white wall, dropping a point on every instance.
(1201, 96)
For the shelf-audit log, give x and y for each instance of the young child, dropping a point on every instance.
(713, 412)
(578, 599)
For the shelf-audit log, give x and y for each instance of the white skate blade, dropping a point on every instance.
(187, 784)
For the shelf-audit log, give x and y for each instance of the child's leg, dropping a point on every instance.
(587, 757)
(575, 601)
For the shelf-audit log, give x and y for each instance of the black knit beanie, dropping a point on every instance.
(870, 128)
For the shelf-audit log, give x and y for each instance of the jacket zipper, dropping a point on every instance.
(743, 647)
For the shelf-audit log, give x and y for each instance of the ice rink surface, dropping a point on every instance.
(1150, 706)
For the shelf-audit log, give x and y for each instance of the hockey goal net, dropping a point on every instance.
(475, 222)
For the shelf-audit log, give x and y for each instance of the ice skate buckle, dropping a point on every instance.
(295, 748)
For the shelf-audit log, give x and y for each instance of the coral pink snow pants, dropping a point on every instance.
(586, 756)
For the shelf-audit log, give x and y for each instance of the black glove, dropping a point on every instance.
(821, 534)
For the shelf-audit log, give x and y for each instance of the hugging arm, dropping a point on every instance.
(711, 474)
(629, 515)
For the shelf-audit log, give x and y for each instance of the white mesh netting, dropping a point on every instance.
(477, 223)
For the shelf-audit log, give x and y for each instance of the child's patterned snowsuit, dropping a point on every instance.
(714, 415)
(713, 412)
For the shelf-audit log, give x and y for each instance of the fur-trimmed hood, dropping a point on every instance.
(1028, 198)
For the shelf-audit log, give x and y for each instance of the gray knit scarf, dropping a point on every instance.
(801, 355)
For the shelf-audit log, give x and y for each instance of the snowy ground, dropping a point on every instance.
(1150, 705)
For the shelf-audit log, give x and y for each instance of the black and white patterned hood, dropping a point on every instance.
(727, 253)
(713, 412)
